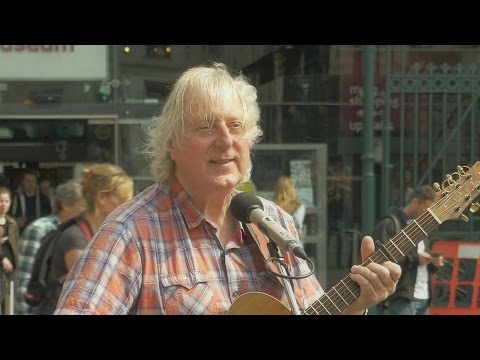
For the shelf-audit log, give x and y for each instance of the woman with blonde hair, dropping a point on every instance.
(104, 187)
(285, 196)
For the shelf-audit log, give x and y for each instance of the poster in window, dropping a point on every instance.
(301, 173)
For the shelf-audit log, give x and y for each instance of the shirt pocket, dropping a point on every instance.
(187, 294)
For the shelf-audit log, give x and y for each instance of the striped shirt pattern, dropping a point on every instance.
(156, 254)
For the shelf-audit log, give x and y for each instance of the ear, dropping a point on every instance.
(172, 149)
(100, 198)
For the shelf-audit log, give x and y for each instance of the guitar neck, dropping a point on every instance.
(345, 292)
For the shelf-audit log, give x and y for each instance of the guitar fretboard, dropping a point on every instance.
(345, 292)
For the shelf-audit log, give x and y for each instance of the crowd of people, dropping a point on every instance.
(26, 219)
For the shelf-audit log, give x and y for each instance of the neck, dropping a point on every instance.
(213, 204)
(95, 220)
(63, 215)
(226, 229)
(31, 193)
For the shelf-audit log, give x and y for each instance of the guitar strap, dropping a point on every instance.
(85, 227)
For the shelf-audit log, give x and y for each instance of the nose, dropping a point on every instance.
(224, 137)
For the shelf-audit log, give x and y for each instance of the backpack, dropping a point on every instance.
(37, 286)
(381, 307)
(396, 222)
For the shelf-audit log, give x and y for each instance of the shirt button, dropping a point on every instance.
(235, 294)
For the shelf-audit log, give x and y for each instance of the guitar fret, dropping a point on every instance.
(400, 251)
(408, 237)
(349, 289)
(315, 311)
(325, 307)
(381, 257)
(434, 216)
(378, 256)
(415, 221)
(333, 303)
(341, 297)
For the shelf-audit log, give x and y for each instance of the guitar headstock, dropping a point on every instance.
(456, 192)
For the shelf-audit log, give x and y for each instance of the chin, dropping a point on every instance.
(227, 182)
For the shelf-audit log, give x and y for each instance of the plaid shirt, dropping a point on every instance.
(156, 254)
(30, 243)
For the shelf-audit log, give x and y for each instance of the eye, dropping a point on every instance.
(236, 127)
(204, 129)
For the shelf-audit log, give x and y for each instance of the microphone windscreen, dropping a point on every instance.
(242, 204)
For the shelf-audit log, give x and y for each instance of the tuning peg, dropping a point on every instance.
(464, 217)
(474, 207)
(436, 186)
(460, 170)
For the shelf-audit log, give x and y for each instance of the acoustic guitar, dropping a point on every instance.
(457, 191)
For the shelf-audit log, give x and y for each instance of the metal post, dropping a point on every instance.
(368, 175)
(115, 76)
(386, 134)
(279, 262)
(10, 298)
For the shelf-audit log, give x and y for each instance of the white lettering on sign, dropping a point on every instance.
(357, 126)
(37, 48)
(356, 99)
(53, 62)
(378, 98)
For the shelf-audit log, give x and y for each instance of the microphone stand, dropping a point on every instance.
(274, 253)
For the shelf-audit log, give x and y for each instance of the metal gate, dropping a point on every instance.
(431, 126)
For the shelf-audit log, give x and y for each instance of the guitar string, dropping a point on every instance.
(348, 295)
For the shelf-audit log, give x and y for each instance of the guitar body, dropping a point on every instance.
(257, 303)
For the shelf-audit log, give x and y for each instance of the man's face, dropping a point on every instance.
(421, 207)
(45, 187)
(214, 155)
(72, 210)
(29, 184)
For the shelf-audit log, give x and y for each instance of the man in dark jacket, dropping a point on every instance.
(412, 295)
(28, 202)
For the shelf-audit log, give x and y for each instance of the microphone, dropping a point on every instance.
(248, 208)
